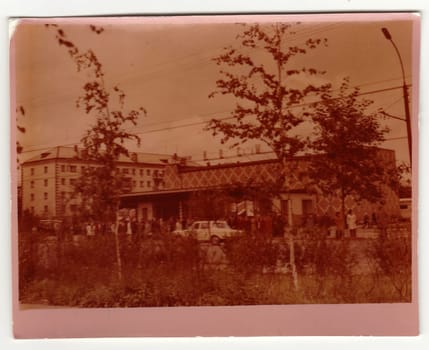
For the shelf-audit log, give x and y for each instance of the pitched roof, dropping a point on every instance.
(64, 152)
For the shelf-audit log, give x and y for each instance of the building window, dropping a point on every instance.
(125, 171)
(63, 168)
(32, 171)
(45, 182)
(73, 168)
(148, 184)
(45, 169)
(134, 183)
(32, 196)
(46, 208)
(63, 195)
(45, 195)
(141, 183)
(134, 171)
(63, 181)
(72, 181)
(32, 184)
(82, 169)
(155, 172)
(141, 172)
(148, 172)
(32, 210)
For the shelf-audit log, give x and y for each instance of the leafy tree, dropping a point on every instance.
(345, 140)
(100, 185)
(20, 111)
(264, 83)
(271, 87)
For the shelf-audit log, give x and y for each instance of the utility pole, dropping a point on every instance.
(387, 35)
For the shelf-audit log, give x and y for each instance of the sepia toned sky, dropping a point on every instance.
(165, 65)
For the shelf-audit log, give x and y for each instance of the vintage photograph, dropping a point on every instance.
(214, 161)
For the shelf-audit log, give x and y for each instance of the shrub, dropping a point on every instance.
(393, 264)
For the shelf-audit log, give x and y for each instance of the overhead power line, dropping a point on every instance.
(232, 117)
(294, 106)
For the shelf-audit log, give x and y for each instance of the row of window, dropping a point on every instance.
(72, 182)
(45, 170)
(74, 168)
(142, 183)
(33, 196)
(45, 182)
(45, 209)
(45, 195)
(133, 171)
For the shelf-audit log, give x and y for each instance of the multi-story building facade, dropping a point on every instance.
(299, 199)
(163, 186)
(47, 179)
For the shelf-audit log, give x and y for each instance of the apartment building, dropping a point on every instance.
(47, 179)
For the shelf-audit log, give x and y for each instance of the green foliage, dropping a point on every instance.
(103, 143)
(253, 255)
(345, 140)
(20, 111)
(393, 259)
(264, 90)
(173, 272)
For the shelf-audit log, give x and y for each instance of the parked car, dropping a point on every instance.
(213, 231)
(49, 226)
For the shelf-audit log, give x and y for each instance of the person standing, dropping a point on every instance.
(148, 228)
(90, 232)
(351, 223)
(129, 227)
(178, 226)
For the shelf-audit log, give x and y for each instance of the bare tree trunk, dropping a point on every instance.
(292, 262)
(117, 247)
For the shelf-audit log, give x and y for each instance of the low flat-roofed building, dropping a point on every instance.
(299, 200)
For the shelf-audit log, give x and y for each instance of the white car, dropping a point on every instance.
(213, 231)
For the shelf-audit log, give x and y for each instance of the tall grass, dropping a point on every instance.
(176, 272)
